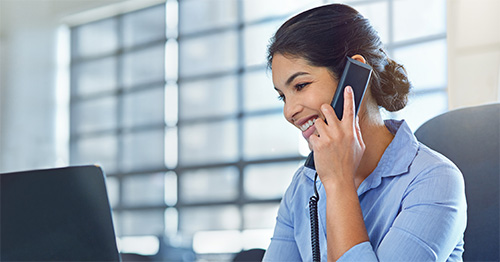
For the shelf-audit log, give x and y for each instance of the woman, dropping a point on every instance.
(383, 195)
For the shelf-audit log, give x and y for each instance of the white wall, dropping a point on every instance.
(28, 34)
(473, 52)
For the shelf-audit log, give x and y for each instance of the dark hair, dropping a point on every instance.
(325, 35)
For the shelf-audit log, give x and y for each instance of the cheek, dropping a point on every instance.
(315, 104)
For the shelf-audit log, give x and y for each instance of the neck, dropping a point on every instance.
(377, 138)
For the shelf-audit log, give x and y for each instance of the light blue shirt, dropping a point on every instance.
(413, 206)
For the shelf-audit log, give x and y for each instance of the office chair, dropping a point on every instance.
(470, 138)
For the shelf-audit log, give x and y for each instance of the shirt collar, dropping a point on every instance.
(396, 159)
(310, 161)
(310, 164)
(400, 153)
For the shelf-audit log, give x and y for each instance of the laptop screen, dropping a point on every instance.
(56, 215)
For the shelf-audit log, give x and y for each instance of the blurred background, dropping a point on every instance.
(173, 99)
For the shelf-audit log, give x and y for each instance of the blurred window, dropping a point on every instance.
(119, 89)
(175, 102)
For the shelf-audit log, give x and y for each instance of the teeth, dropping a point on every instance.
(308, 124)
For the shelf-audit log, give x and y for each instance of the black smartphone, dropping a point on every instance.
(357, 75)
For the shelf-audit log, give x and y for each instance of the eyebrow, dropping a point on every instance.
(292, 77)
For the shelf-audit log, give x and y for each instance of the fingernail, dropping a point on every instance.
(348, 89)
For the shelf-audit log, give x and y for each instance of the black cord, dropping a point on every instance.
(313, 213)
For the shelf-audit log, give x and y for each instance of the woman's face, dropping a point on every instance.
(303, 88)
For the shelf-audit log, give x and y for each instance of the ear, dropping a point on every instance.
(359, 58)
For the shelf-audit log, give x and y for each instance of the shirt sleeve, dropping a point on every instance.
(283, 246)
(430, 225)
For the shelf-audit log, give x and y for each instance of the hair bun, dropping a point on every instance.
(394, 87)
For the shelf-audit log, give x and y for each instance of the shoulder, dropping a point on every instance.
(435, 178)
(428, 161)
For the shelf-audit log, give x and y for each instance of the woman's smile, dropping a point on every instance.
(307, 126)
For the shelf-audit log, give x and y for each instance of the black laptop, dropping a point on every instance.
(58, 214)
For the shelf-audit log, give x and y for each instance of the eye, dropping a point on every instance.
(281, 97)
(300, 86)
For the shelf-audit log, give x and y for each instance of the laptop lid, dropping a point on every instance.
(58, 214)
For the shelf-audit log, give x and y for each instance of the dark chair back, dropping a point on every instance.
(470, 138)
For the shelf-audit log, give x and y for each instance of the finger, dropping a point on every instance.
(313, 141)
(321, 126)
(348, 104)
(329, 114)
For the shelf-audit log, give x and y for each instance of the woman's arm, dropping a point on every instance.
(344, 220)
(338, 151)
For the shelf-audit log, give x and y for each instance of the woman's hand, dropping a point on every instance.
(338, 148)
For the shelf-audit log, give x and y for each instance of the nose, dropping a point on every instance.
(291, 109)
